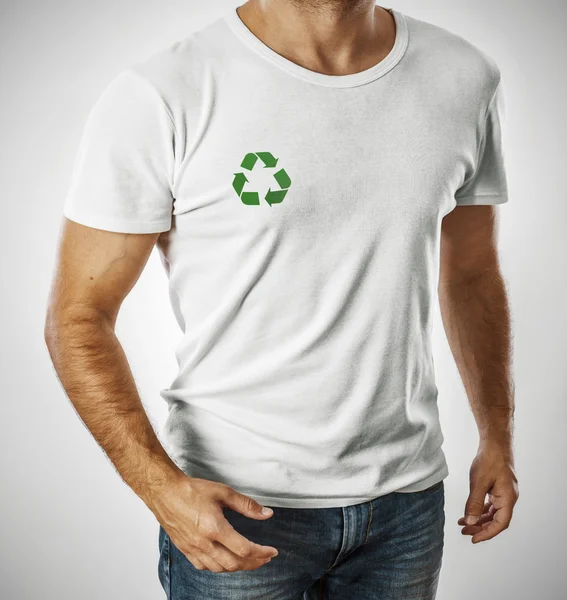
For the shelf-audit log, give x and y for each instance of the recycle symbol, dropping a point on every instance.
(272, 196)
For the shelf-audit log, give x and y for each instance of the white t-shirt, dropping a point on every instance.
(301, 217)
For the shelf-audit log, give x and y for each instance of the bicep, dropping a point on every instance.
(468, 243)
(96, 269)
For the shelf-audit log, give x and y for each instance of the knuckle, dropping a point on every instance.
(243, 551)
(209, 526)
(248, 503)
(207, 548)
(232, 566)
(223, 489)
(244, 502)
(474, 503)
(228, 492)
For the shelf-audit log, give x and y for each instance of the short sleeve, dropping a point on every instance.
(487, 183)
(122, 175)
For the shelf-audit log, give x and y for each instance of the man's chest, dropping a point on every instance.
(319, 160)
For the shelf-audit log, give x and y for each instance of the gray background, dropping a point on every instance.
(69, 527)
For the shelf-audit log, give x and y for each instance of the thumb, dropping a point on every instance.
(475, 502)
(245, 505)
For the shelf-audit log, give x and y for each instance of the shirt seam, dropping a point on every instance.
(396, 58)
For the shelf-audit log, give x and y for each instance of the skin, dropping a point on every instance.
(95, 272)
(476, 317)
(334, 37)
(96, 269)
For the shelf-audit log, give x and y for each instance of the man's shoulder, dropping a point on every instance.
(177, 70)
(446, 52)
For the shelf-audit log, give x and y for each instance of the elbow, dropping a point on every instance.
(72, 324)
(51, 330)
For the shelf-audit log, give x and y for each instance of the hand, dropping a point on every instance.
(492, 473)
(190, 511)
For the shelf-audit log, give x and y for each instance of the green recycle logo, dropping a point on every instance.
(272, 196)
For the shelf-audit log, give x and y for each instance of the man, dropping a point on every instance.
(310, 171)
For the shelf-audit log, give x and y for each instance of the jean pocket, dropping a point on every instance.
(164, 562)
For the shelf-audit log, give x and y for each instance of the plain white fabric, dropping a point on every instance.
(305, 371)
(123, 170)
(486, 183)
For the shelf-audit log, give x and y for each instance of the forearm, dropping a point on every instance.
(94, 371)
(476, 317)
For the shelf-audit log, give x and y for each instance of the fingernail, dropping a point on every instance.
(266, 510)
(471, 519)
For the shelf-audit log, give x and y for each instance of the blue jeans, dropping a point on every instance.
(387, 549)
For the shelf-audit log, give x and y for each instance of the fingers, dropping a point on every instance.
(499, 522)
(202, 562)
(208, 554)
(219, 560)
(472, 529)
(244, 504)
(476, 501)
(233, 562)
(197, 526)
(215, 530)
(234, 541)
(496, 514)
(241, 546)
(486, 516)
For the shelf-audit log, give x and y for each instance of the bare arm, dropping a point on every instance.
(95, 271)
(475, 312)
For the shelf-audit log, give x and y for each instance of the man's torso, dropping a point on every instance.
(303, 259)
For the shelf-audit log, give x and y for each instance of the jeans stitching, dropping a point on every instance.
(343, 542)
(169, 596)
(369, 523)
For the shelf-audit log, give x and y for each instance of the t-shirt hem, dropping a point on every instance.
(425, 483)
(482, 199)
(278, 502)
(117, 225)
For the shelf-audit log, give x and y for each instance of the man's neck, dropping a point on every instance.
(334, 37)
